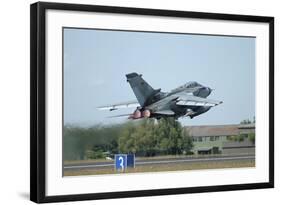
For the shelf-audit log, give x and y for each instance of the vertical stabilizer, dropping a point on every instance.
(143, 91)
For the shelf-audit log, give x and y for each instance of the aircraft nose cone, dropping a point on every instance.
(203, 92)
(209, 90)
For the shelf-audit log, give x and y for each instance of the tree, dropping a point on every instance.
(248, 121)
(148, 138)
(172, 138)
(138, 138)
(252, 137)
(81, 142)
(244, 122)
(143, 137)
(126, 139)
(187, 142)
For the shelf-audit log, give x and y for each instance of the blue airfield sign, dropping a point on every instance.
(131, 160)
(120, 162)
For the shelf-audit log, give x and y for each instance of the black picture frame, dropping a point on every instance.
(38, 101)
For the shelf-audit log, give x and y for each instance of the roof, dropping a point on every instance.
(212, 130)
(247, 126)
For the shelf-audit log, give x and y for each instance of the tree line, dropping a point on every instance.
(146, 137)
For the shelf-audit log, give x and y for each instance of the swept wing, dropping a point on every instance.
(190, 100)
(184, 100)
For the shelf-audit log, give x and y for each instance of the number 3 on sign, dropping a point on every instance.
(121, 160)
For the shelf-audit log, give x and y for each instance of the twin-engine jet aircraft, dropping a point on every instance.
(187, 100)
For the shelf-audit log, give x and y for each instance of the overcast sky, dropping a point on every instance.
(96, 61)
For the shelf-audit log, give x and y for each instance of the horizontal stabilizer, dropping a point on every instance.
(116, 106)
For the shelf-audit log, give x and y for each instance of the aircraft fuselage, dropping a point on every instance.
(179, 110)
(189, 99)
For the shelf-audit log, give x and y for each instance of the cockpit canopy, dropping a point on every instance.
(190, 84)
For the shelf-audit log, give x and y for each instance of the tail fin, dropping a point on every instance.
(143, 91)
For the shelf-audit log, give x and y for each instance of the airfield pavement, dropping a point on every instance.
(156, 164)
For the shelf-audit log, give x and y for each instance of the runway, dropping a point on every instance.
(147, 162)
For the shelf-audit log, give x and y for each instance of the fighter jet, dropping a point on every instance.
(189, 99)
